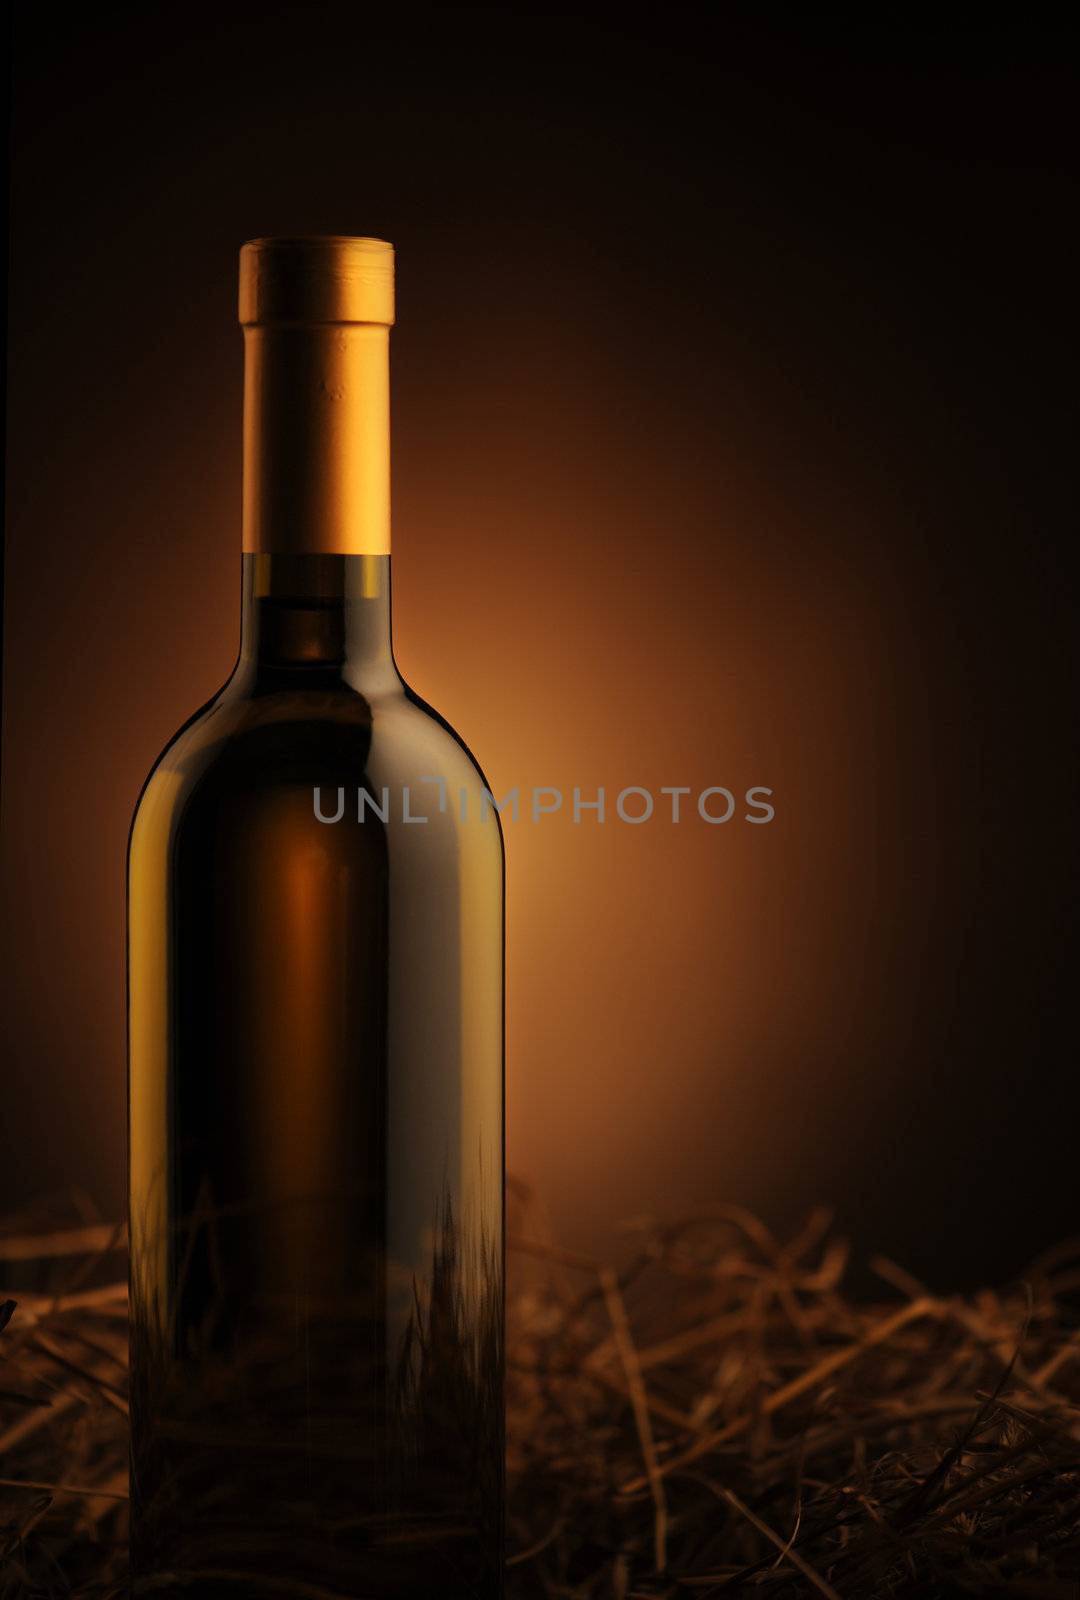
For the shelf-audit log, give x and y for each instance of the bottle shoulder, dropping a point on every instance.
(252, 739)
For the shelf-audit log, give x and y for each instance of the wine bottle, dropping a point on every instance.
(315, 999)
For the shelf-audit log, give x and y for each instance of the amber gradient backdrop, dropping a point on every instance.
(731, 446)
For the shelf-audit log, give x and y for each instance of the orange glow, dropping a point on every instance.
(596, 586)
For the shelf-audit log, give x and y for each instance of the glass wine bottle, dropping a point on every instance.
(315, 991)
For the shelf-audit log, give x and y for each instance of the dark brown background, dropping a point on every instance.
(734, 443)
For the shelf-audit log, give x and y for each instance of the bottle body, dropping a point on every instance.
(316, 1101)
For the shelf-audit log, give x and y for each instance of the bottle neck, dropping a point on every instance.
(308, 619)
(316, 601)
(317, 438)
